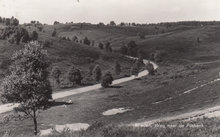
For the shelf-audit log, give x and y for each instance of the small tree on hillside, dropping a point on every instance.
(86, 41)
(136, 67)
(112, 23)
(150, 68)
(101, 46)
(117, 68)
(97, 73)
(17, 37)
(108, 48)
(74, 75)
(54, 33)
(28, 82)
(25, 36)
(34, 36)
(107, 80)
(55, 73)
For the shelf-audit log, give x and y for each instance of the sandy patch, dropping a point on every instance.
(60, 128)
(115, 111)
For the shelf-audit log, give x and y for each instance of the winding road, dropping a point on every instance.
(9, 107)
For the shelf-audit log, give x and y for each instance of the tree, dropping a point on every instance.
(56, 22)
(54, 33)
(107, 80)
(122, 24)
(108, 48)
(74, 75)
(112, 23)
(75, 38)
(132, 48)
(28, 82)
(25, 36)
(101, 46)
(14, 22)
(34, 36)
(117, 68)
(86, 41)
(97, 73)
(55, 73)
(17, 37)
(136, 67)
(7, 21)
(150, 68)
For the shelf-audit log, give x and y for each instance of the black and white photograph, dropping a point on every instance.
(109, 68)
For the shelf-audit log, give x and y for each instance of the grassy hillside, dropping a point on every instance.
(180, 43)
(176, 74)
(64, 53)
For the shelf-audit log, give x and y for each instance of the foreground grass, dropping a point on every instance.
(199, 128)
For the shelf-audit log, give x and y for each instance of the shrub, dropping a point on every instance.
(55, 73)
(107, 80)
(136, 67)
(54, 33)
(75, 38)
(108, 48)
(150, 68)
(86, 41)
(101, 46)
(34, 36)
(132, 51)
(112, 23)
(97, 73)
(74, 75)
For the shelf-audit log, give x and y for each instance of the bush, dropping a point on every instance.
(136, 67)
(34, 36)
(97, 73)
(101, 46)
(150, 68)
(86, 41)
(54, 33)
(55, 73)
(74, 75)
(107, 80)
(108, 48)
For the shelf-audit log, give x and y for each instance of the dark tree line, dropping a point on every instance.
(15, 34)
(9, 21)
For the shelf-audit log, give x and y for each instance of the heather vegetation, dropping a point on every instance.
(84, 55)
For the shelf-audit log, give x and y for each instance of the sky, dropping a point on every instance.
(95, 11)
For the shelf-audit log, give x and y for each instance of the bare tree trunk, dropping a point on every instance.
(35, 122)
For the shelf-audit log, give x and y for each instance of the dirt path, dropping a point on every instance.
(9, 107)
